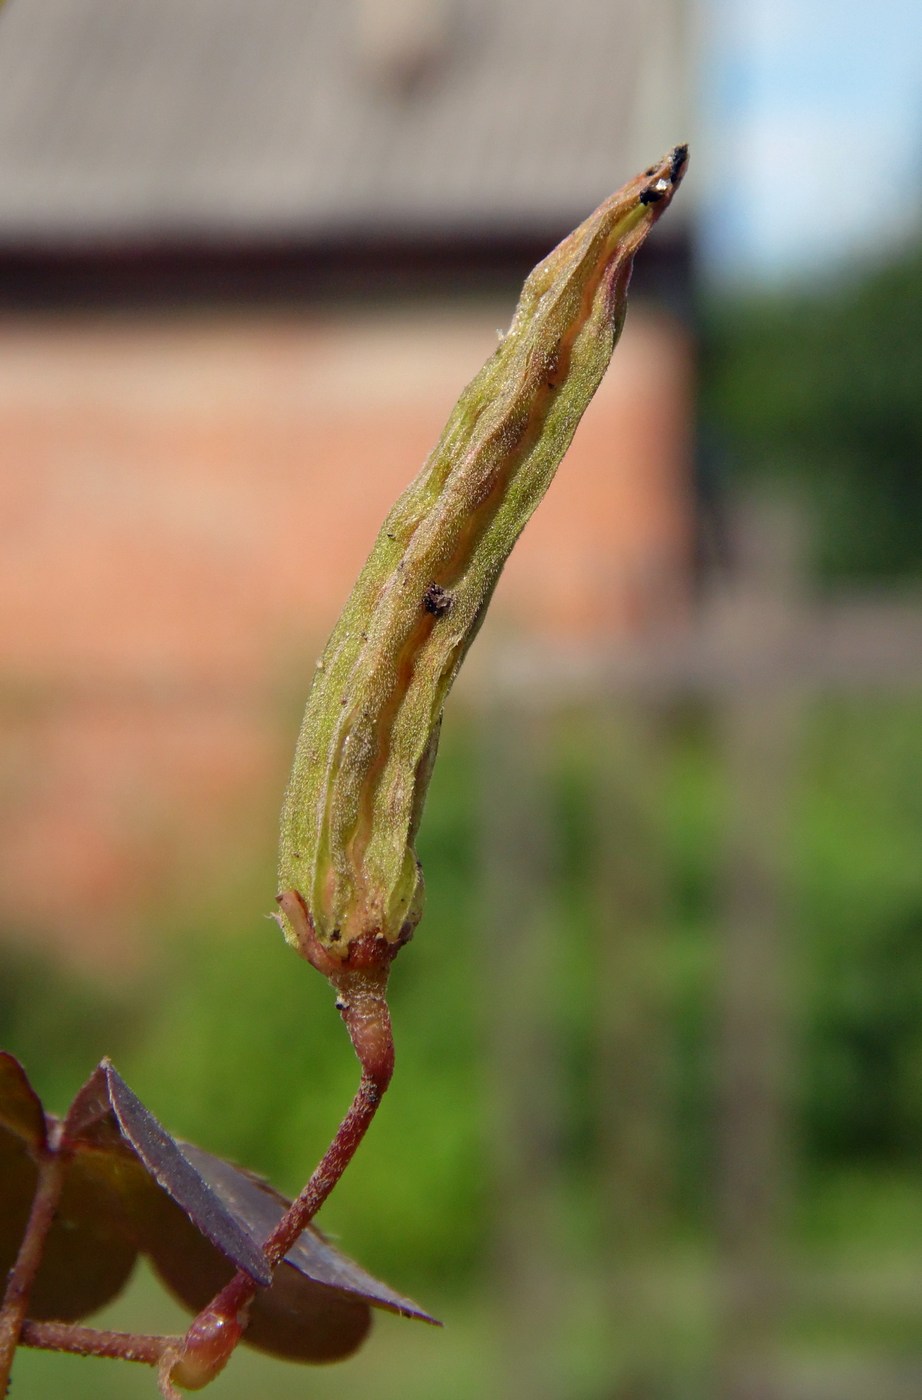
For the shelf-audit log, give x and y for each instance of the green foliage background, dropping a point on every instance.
(234, 1043)
(822, 392)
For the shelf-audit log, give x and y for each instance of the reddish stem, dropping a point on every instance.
(211, 1339)
(88, 1341)
(23, 1273)
(328, 1172)
(194, 1359)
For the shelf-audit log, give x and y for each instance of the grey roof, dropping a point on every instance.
(268, 119)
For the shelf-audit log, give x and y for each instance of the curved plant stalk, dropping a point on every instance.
(15, 1303)
(351, 886)
(86, 1194)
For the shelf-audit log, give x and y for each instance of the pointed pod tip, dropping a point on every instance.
(678, 161)
(660, 181)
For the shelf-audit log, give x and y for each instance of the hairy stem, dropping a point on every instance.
(337, 1157)
(88, 1341)
(23, 1273)
(210, 1341)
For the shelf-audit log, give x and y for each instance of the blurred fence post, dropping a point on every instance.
(631, 1030)
(519, 949)
(758, 716)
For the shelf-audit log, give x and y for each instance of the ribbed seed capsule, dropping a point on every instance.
(351, 884)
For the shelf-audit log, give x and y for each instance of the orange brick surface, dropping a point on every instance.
(184, 503)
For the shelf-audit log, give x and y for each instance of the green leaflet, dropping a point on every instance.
(348, 872)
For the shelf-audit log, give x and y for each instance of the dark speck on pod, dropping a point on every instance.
(437, 600)
(650, 195)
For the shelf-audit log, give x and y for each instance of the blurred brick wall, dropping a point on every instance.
(184, 503)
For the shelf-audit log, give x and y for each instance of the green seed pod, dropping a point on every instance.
(351, 884)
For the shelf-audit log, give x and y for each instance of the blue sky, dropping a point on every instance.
(812, 134)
